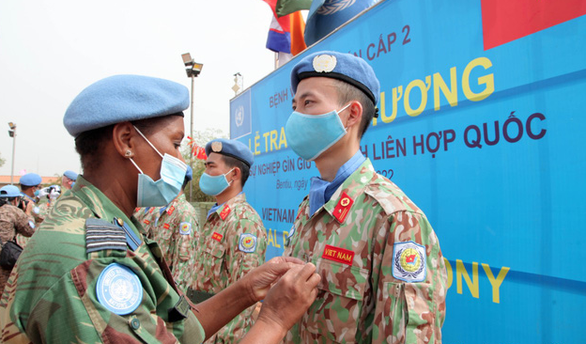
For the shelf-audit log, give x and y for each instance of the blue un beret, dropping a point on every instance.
(9, 191)
(70, 174)
(340, 66)
(123, 98)
(30, 179)
(231, 148)
(189, 173)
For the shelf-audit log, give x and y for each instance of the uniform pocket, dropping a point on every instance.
(394, 312)
(214, 257)
(335, 313)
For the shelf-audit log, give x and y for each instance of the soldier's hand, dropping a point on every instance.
(290, 297)
(29, 207)
(260, 280)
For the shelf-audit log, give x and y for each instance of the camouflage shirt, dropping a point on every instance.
(175, 229)
(232, 242)
(39, 211)
(72, 280)
(383, 275)
(13, 221)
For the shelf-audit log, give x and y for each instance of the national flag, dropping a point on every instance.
(297, 28)
(284, 7)
(327, 15)
(286, 35)
(283, 21)
(195, 150)
(278, 39)
(504, 21)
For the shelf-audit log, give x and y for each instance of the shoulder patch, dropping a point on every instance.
(224, 213)
(409, 262)
(247, 243)
(31, 224)
(185, 228)
(119, 289)
(102, 235)
(343, 207)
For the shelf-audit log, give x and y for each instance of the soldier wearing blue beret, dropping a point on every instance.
(386, 278)
(13, 221)
(107, 282)
(68, 179)
(233, 229)
(30, 183)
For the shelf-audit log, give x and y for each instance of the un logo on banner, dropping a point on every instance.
(239, 116)
(333, 6)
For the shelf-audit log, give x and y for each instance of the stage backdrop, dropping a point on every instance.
(482, 124)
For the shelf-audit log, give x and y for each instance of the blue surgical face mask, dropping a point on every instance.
(213, 185)
(164, 190)
(311, 135)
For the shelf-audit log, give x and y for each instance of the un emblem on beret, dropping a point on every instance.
(324, 63)
(217, 146)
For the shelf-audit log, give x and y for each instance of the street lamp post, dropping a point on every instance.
(12, 133)
(192, 69)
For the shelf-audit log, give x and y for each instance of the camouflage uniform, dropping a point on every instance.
(221, 261)
(12, 221)
(52, 294)
(38, 212)
(383, 275)
(175, 229)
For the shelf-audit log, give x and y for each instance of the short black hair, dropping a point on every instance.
(347, 93)
(26, 187)
(244, 169)
(90, 144)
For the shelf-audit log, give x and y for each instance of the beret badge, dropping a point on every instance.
(217, 146)
(324, 63)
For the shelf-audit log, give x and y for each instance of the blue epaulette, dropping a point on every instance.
(102, 235)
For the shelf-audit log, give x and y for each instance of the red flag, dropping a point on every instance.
(196, 151)
(504, 21)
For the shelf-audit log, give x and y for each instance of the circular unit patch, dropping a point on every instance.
(119, 289)
(409, 262)
(247, 243)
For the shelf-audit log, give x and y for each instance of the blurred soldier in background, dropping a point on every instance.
(175, 228)
(233, 239)
(12, 221)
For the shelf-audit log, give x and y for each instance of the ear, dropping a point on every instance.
(354, 114)
(123, 137)
(236, 173)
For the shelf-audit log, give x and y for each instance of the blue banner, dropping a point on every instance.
(240, 115)
(484, 134)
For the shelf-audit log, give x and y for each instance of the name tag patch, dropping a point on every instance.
(217, 236)
(247, 243)
(119, 289)
(409, 262)
(338, 254)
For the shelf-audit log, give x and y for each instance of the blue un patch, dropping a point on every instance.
(119, 289)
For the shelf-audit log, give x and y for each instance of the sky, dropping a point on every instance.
(51, 50)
